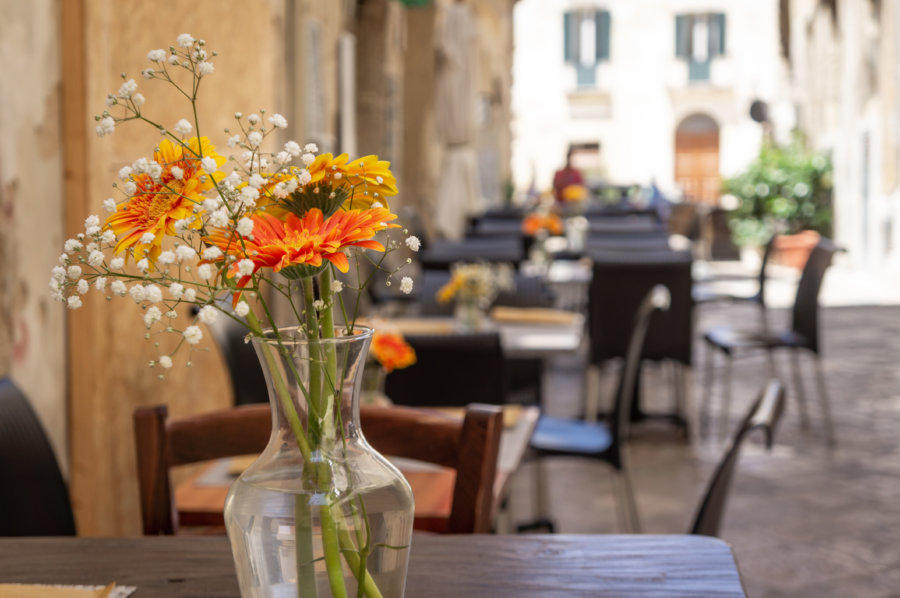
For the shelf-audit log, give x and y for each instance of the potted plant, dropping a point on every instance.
(785, 190)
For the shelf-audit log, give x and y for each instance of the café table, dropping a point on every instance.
(441, 566)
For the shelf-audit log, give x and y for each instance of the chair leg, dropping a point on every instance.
(625, 504)
(726, 393)
(542, 521)
(798, 384)
(826, 408)
(707, 388)
(679, 380)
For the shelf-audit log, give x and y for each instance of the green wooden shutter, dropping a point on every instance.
(720, 25)
(570, 37)
(681, 39)
(602, 23)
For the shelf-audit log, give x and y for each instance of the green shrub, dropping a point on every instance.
(786, 189)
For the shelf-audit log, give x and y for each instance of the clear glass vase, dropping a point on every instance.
(320, 513)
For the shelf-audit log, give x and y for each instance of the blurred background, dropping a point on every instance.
(735, 118)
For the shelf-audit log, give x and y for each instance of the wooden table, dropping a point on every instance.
(473, 566)
(201, 499)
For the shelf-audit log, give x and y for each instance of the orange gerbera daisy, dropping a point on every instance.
(536, 222)
(157, 204)
(392, 351)
(306, 241)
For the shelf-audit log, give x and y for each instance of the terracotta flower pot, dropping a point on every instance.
(793, 250)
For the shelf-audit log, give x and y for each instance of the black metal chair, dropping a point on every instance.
(451, 370)
(34, 500)
(605, 441)
(619, 283)
(802, 334)
(764, 414)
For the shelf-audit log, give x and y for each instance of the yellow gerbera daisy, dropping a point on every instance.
(370, 179)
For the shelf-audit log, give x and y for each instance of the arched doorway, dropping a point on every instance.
(697, 158)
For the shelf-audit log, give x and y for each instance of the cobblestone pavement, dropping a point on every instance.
(803, 520)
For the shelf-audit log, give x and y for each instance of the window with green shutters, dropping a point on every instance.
(699, 39)
(586, 42)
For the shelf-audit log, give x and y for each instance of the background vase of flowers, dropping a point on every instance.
(474, 286)
(389, 352)
(184, 233)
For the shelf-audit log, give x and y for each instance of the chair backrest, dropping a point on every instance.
(451, 370)
(620, 282)
(470, 446)
(760, 296)
(805, 313)
(657, 299)
(763, 414)
(34, 500)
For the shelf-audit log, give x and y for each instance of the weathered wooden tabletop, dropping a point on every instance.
(441, 566)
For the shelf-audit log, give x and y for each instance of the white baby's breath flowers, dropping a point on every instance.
(138, 99)
(58, 273)
(205, 271)
(413, 242)
(125, 172)
(152, 315)
(165, 362)
(205, 68)
(153, 293)
(129, 188)
(318, 304)
(100, 283)
(219, 218)
(242, 309)
(154, 169)
(211, 204)
(337, 286)
(278, 121)
(185, 252)
(245, 267)
(293, 148)
(233, 141)
(73, 272)
(209, 165)
(192, 334)
(311, 148)
(185, 40)
(82, 287)
(143, 265)
(95, 258)
(166, 257)
(72, 245)
(147, 238)
(177, 172)
(117, 263)
(109, 204)
(254, 138)
(207, 314)
(283, 158)
(253, 119)
(105, 126)
(118, 288)
(248, 197)
(256, 181)
(183, 127)
(137, 292)
(73, 302)
(406, 285)
(190, 295)
(245, 227)
(212, 253)
(156, 55)
(127, 88)
(307, 159)
(176, 289)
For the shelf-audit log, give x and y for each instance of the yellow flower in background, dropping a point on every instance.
(574, 193)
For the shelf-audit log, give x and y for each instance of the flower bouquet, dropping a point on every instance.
(474, 286)
(319, 513)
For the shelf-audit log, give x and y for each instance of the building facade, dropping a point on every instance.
(646, 91)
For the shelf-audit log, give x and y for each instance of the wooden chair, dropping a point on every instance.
(469, 446)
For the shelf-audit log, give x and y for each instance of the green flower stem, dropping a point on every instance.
(315, 372)
(305, 554)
